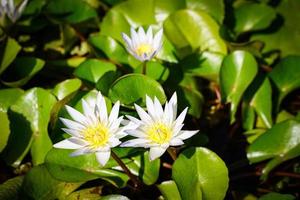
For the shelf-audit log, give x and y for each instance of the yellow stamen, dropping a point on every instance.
(97, 136)
(159, 133)
(144, 49)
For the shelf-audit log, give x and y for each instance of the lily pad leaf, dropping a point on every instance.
(206, 177)
(92, 69)
(169, 190)
(215, 8)
(285, 75)
(246, 18)
(237, 72)
(280, 143)
(137, 86)
(8, 53)
(286, 24)
(21, 71)
(277, 196)
(66, 88)
(11, 188)
(29, 118)
(62, 12)
(195, 29)
(39, 184)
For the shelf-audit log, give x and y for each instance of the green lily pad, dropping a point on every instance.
(196, 29)
(92, 69)
(137, 86)
(8, 53)
(39, 184)
(62, 12)
(280, 143)
(237, 72)
(286, 76)
(66, 88)
(29, 118)
(246, 18)
(169, 190)
(200, 174)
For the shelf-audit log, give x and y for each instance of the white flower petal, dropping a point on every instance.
(71, 124)
(136, 133)
(67, 144)
(177, 129)
(115, 125)
(158, 108)
(80, 152)
(88, 112)
(22, 6)
(183, 135)
(120, 134)
(173, 104)
(150, 108)
(102, 108)
(127, 40)
(72, 132)
(114, 142)
(176, 142)
(114, 112)
(181, 117)
(142, 35)
(77, 116)
(156, 152)
(104, 148)
(158, 39)
(134, 38)
(102, 157)
(143, 114)
(149, 35)
(134, 121)
(135, 143)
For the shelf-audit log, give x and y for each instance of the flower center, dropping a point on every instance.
(144, 49)
(159, 133)
(96, 136)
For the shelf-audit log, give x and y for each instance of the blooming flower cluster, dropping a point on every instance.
(8, 7)
(96, 131)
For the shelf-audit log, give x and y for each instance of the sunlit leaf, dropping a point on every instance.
(237, 72)
(196, 29)
(246, 18)
(286, 25)
(92, 69)
(277, 196)
(214, 8)
(280, 143)
(66, 88)
(169, 190)
(39, 184)
(137, 86)
(29, 118)
(8, 53)
(285, 76)
(200, 174)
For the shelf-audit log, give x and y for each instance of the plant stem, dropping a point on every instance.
(144, 67)
(172, 152)
(133, 178)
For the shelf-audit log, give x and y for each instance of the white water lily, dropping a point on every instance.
(93, 131)
(13, 13)
(158, 129)
(143, 46)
